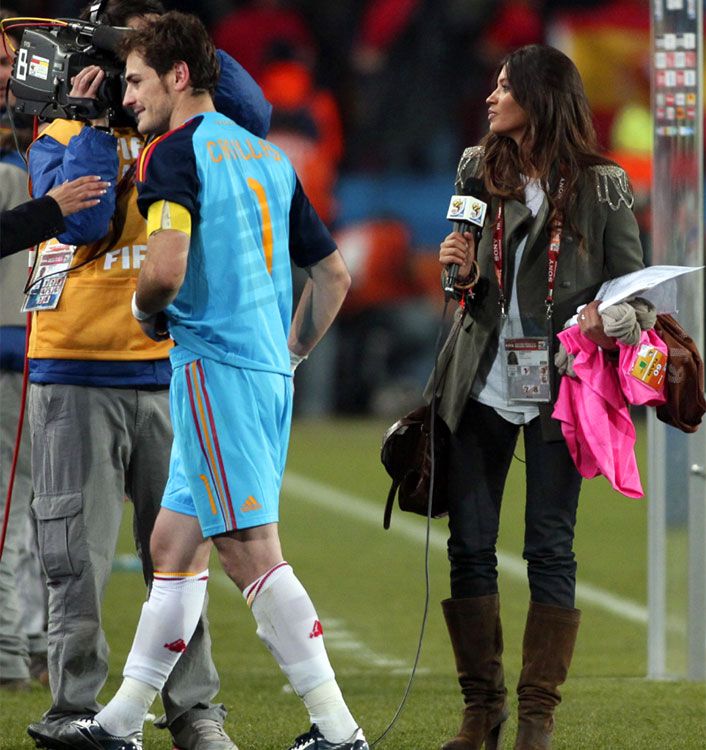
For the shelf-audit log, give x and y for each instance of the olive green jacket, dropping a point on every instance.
(611, 247)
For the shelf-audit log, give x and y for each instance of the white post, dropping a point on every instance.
(677, 465)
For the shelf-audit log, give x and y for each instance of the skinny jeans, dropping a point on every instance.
(480, 453)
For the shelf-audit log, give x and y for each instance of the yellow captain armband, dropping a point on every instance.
(163, 215)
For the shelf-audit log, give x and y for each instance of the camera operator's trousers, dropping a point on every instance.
(93, 448)
(22, 589)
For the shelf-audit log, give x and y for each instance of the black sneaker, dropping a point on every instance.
(48, 734)
(88, 734)
(314, 740)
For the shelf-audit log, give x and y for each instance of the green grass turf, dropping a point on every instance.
(368, 585)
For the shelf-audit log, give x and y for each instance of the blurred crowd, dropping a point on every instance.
(374, 100)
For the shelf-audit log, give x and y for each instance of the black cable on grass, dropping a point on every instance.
(425, 611)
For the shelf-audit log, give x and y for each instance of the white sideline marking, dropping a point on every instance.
(339, 638)
(364, 510)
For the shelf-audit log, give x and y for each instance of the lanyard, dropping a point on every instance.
(552, 253)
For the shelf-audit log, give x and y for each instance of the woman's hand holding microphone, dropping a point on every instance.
(460, 249)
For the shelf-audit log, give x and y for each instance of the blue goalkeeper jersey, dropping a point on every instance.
(250, 217)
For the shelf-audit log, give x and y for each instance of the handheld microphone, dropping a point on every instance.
(467, 212)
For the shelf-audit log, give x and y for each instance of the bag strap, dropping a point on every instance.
(388, 505)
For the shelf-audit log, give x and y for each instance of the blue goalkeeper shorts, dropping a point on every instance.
(231, 433)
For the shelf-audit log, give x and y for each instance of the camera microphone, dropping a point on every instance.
(467, 212)
(101, 36)
(108, 38)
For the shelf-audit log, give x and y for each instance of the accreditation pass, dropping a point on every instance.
(48, 281)
(527, 369)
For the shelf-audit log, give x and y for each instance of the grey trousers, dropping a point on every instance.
(91, 449)
(22, 617)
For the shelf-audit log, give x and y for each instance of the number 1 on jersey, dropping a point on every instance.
(267, 238)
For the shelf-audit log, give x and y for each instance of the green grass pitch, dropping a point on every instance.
(368, 586)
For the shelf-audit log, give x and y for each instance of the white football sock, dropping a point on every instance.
(126, 711)
(168, 620)
(329, 712)
(288, 625)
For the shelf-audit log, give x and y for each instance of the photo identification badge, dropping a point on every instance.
(526, 363)
(48, 281)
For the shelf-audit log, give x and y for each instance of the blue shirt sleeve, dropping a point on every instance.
(88, 153)
(240, 98)
(309, 239)
(169, 172)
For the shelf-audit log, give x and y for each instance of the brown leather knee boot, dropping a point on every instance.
(476, 637)
(547, 648)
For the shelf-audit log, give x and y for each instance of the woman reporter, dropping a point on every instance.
(559, 224)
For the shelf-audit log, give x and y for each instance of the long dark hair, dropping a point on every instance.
(559, 141)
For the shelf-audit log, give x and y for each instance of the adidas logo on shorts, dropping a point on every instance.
(250, 504)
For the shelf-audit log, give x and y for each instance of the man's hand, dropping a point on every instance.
(83, 192)
(85, 85)
(155, 327)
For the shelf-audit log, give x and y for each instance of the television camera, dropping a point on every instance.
(50, 54)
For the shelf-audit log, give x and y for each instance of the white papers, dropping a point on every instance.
(647, 283)
(655, 283)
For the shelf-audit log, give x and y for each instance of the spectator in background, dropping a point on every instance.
(393, 61)
(209, 12)
(515, 23)
(383, 22)
(250, 32)
(405, 59)
(508, 25)
(306, 124)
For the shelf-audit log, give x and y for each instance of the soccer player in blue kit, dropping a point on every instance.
(225, 214)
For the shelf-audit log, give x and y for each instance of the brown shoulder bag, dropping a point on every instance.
(686, 404)
(406, 455)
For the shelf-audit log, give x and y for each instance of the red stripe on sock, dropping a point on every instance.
(264, 578)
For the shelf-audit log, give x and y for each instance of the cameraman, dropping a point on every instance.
(99, 411)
